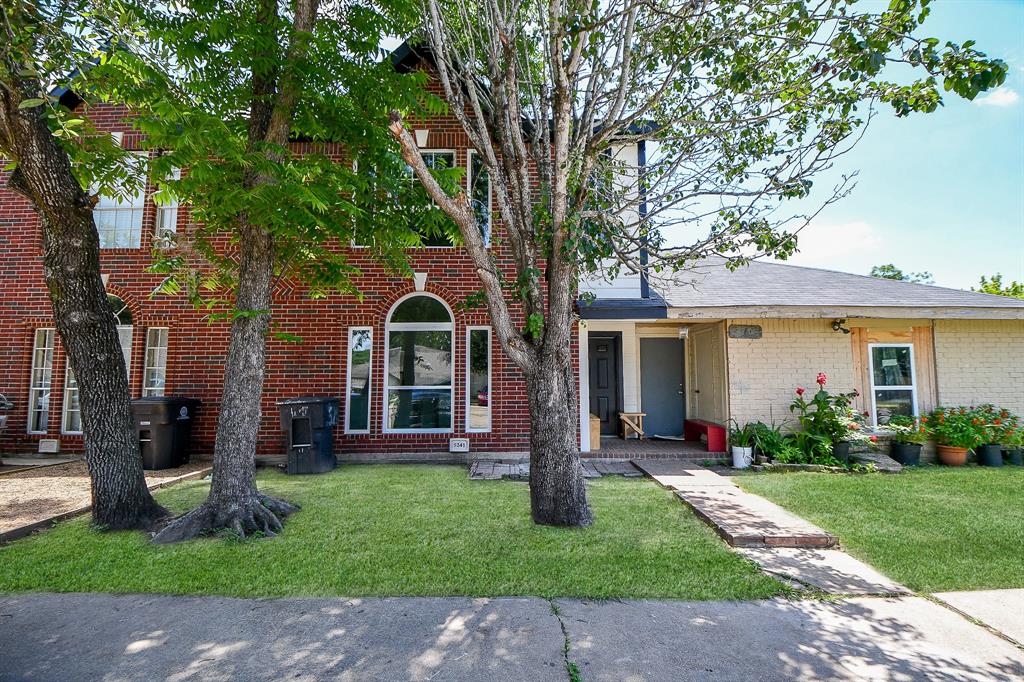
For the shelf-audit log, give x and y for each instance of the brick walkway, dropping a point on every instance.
(742, 519)
(781, 543)
(493, 469)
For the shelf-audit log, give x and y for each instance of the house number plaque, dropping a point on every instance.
(744, 331)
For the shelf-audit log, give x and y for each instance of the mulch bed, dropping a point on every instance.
(37, 494)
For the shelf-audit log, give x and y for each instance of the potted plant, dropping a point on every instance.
(768, 441)
(990, 426)
(742, 442)
(1014, 444)
(908, 437)
(830, 418)
(954, 434)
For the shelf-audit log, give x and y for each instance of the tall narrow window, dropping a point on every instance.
(418, 366)
(154, 377)
(167, 217)
(480, 193)
(478, 379)
(72, 418)
(118, 217)
(40, 381)
(893, 389)
(433, 224)
(357, 399)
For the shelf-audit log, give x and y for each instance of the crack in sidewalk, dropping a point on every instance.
(571, 668)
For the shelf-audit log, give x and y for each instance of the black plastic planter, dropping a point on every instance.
(907, 454)
(841, 451)
(990, 455)
(1014, 456)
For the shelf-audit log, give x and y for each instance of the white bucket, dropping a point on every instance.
(742, 457)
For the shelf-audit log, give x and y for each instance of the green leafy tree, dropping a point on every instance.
(59, 163)
(994, 285)
(740, 105)
(890, 271)
(223, 89)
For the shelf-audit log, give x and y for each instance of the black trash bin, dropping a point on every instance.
(308, 424)
(163, 426)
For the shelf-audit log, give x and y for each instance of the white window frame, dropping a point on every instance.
(470, 153)
(166, 225)
(135, 207)
(414, 327)
(147, 366)
(871, 379)
(490, 376)
(412, 177)
(348, 381)
(35, 392)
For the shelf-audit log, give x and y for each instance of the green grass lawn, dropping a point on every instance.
(406, 530)
(933, 529)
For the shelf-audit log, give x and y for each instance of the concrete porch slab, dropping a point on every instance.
(826, 569)
(999, 609)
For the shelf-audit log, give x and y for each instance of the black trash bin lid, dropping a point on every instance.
(309, 400)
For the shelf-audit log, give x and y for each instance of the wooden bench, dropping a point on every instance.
(692, 428)
(632, 422)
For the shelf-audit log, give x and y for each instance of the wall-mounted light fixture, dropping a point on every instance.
(840, 326)
(421, 137)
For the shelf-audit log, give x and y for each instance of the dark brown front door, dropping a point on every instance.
(606, 381)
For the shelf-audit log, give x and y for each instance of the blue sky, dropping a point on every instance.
(942, 192)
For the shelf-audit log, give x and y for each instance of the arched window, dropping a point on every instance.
(72, 419)
(418, 366)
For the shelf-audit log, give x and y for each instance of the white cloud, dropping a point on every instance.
(851, 247)
(1000, 97)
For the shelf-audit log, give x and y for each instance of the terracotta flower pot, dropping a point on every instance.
(952, 456)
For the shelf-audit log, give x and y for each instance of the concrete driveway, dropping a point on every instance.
(135, 637)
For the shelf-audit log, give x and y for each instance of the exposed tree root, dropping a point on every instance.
(259, 515)
(148, 516)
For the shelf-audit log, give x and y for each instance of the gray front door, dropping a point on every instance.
(661, 386)
(605, 383)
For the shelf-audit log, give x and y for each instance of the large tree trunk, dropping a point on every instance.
(88, 331)
(558, 493)
(234, 502)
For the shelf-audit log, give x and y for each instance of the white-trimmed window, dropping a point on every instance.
(436, 159)
(478, 379)
(154, 377)
(167, 217)
(71, 421)
(40, 381)
(119, 218)
(893, 387)
(418, 366)
(357, 395)
(478, 181)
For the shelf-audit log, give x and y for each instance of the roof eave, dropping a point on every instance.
(846, 311)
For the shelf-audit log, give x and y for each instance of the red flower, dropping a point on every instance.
(997, 422)
(873, 439)
(866, 413)
(854, 426)
(822, 378)
(800, 390)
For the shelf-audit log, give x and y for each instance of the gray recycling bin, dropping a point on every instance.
(308, 424)
(163, 426)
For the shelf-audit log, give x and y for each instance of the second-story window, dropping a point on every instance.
(119, 218)
(479, 183)
(167, 217)
(430, 224)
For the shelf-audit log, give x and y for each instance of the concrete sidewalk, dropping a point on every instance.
(135, 637)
